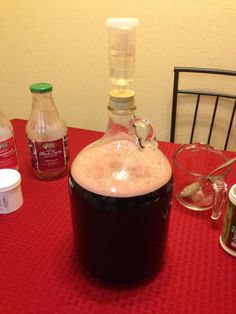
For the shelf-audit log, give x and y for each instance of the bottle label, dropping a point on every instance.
(229, 228)
(50, 155)
(8, 157)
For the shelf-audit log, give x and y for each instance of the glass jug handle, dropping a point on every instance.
(149, 138)
(220, 188)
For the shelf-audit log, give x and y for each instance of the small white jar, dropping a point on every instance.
(10, 191)
(228, 234)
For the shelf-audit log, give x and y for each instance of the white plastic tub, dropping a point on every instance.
(10, 191)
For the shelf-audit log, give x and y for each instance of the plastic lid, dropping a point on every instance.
(121, 22)
(9, 179)
(41, 87)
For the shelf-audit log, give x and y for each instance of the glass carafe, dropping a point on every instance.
(120, 190)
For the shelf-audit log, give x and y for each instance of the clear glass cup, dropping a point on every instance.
(194, 188)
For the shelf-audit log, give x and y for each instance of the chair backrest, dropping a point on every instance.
(214, 104)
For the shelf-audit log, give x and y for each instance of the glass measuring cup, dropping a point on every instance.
(194, 188)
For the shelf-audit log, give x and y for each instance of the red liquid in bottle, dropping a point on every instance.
(120, 226)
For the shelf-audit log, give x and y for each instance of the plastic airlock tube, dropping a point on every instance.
(122, 48)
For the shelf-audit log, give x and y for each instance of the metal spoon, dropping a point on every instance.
(193, 188)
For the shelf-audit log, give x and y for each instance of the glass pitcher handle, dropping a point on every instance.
(221, 194)
(149, 138)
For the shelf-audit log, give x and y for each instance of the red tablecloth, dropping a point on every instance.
(39, 273)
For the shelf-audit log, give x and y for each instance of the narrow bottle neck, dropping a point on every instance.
(45, 122)
(121, 112)
(4, 124)
(43, 102)
(120, 122)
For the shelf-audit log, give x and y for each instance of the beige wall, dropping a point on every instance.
(65, 43)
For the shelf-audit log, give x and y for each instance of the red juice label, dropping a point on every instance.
(50, 155)
(8, 157)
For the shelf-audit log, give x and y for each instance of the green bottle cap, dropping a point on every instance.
(40, 87)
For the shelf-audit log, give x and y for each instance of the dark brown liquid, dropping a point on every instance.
(120, 239)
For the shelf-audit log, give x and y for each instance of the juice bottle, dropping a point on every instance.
(47, 135)
(8, 152)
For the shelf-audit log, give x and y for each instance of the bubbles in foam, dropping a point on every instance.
(120, 169)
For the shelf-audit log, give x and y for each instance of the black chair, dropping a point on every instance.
(201, 111)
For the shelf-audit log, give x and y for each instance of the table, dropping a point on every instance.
(39, 272)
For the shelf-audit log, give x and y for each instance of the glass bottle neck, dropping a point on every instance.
(43, 102)
(4, 122)
(45, 122)
(120, 121)
(121, 113)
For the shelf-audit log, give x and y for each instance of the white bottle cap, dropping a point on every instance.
(9, 178)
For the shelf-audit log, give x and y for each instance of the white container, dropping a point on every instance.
(10, 191)
(228, 235)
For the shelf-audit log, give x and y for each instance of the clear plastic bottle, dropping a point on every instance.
(47, 135)
(8, 152)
